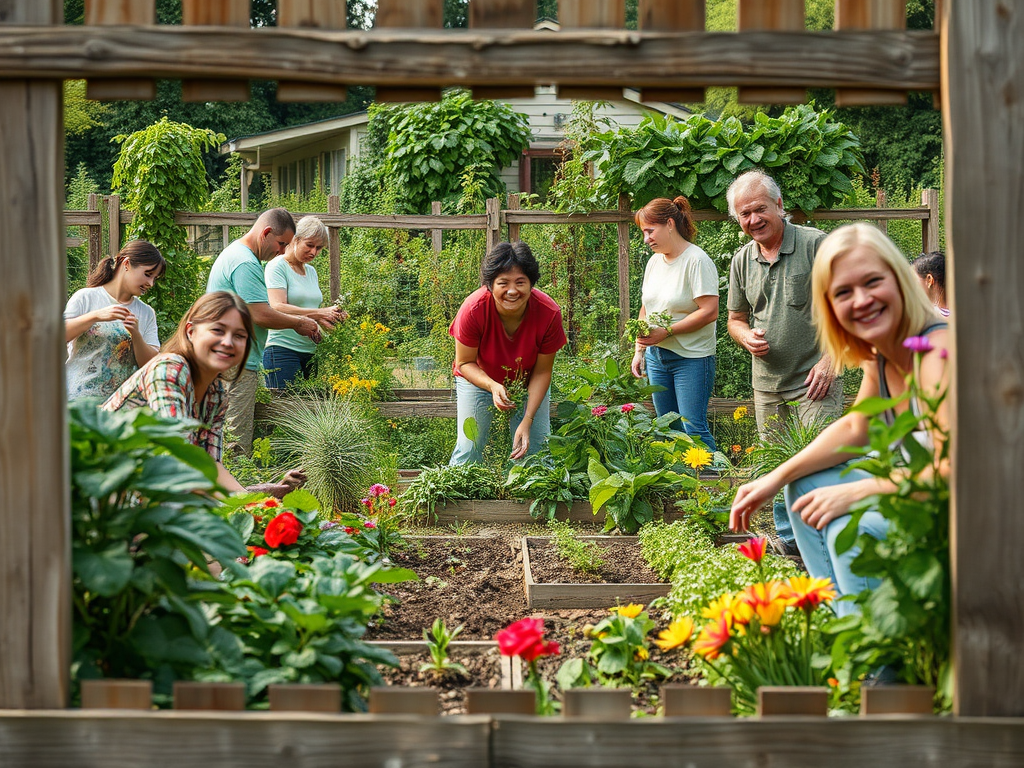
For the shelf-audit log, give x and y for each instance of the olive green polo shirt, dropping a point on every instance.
(777, 297)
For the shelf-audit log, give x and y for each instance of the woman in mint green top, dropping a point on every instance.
(294, 289)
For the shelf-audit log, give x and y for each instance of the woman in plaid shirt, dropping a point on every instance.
(214, 336)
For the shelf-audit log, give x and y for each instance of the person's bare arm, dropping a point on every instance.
(741, 332)
(540, 380)
(326, 317)
(266, 316)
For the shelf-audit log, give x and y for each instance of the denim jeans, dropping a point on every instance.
(688, 382)
(284, 365)
(477, 403)
(818, 548)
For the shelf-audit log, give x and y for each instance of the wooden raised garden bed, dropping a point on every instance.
(557, 595)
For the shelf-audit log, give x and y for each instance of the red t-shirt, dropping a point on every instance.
(477, 324)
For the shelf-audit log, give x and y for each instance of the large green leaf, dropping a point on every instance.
(106, 571)
(210, 533)
(168, 474)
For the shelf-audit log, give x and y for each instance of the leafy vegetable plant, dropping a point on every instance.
(438, 638)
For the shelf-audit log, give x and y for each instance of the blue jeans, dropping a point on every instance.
(477, 403)
(818, 548)
(285, 365)
(688, 382)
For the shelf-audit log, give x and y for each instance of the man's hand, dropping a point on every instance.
(819, 380)
(754, 342)
(308, 327)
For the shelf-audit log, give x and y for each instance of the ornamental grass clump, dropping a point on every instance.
(332, 439)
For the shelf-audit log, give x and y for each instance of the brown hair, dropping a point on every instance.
(207, 309)
(137, 253)
(661, 209)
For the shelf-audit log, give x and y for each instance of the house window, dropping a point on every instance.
(334, 170)
(537, 169)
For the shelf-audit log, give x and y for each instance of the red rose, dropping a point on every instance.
(282, 530)
(525, 639)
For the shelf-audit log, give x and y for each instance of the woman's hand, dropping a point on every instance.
(639, 364)
(750, 497)
(501, 399)
(111, 313)
(521, 440)
(656, 336)
(821, 506)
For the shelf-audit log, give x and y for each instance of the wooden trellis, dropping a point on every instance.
(977, 61)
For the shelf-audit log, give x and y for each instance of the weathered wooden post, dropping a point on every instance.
(35, 583)
(623, 237)
(983, 110)
(334, 248)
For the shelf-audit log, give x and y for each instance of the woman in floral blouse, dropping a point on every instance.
(185, 381)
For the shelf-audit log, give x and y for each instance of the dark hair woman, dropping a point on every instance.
(110, 332)
(681, 280)
(185, 381)
(931, 270)
(505, 331)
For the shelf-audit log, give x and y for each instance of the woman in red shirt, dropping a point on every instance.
(505, 330)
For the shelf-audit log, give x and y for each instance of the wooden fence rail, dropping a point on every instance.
(107, 210)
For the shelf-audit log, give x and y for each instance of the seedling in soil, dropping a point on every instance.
(438, 638)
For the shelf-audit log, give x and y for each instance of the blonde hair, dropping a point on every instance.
(845, 349)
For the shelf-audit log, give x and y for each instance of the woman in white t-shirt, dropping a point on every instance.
(681, 280)
(109, 331)
(294, 289)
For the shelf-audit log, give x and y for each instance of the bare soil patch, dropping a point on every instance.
(621, 563)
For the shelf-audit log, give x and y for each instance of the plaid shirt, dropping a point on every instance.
(164, 385)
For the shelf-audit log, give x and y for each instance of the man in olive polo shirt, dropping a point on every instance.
(770, 314)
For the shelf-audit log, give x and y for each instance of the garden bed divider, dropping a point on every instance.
(807, 701)
(684, 700)
(516, 511)
(603, 595)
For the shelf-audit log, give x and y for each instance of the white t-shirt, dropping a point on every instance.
(672, 288)
(101, 359)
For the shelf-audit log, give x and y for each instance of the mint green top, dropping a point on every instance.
(301, 291)
(238, 271)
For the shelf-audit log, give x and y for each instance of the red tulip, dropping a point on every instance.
(753, 549)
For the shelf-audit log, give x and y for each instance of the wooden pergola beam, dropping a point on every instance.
(887, 60)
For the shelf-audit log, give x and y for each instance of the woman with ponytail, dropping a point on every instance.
(681, 280)
(109, 331)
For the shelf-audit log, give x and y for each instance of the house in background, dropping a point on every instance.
(315, 156)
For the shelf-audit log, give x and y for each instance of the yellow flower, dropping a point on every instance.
(678, 633)
(364, 326)
(630, 611)
(696, 457)
(739, 413)
(750, 449)
(381, 328)
(722, 606)
(768, 601)
(642, 654)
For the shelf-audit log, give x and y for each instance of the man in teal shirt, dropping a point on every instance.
(238, 269)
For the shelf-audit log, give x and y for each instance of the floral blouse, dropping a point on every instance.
(164, 385)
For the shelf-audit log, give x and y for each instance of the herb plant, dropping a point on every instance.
(582, 556)
(438, 638)
(450, 483)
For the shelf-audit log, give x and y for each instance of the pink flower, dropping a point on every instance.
(628, 408)
(369, 524)
(943, 354)
(599, 410)
(379, 490)
(349, 530)
(919, 344)
(366, 503)
(392, 501)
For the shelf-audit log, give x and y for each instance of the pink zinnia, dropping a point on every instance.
(628, 408)
(599, 410)
(377, 489)
(392, 501)
(369, 524)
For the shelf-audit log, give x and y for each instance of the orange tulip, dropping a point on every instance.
(712, 639)
(768, 601)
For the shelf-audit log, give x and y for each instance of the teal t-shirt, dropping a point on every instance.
(302, 291)
(239, 271)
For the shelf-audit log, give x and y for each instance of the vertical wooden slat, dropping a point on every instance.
(870, 14)
(223, 13)
(113, 224)
(424, 14)
(225, 236)
(672, 16)
(591, 14)
(756, 15)
(334, 248)
(95, 234)
(436, 235)
(316, 14)
(305, 697)
(681, 700)
(493, 223)
(35, 582)
(117, 694)
(221, 697)
(623, 237)
(896, 700)
(397, 700)
(930, 226)
(597, 703)
(487, 701)
(104, 12)
(502, 14)
(792, 700)
(983, 111)
(514, 205)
